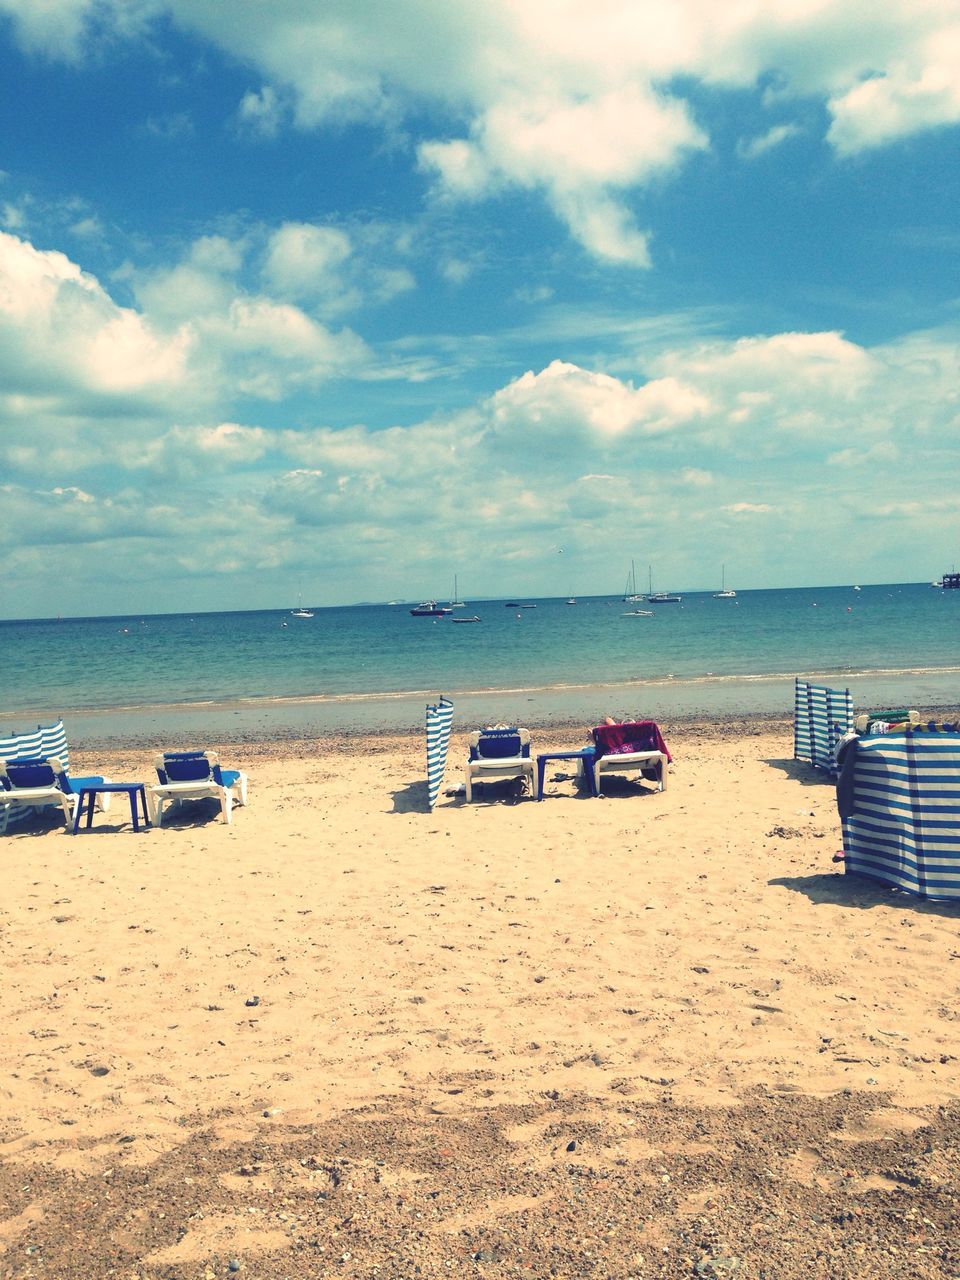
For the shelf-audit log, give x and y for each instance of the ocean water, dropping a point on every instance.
(367, 666)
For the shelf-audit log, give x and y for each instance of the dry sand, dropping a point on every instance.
(653, 1035)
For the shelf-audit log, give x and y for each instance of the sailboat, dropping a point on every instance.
(456, 602)
(630, 590)
(300, 611)
(660, 597)
(723, 593)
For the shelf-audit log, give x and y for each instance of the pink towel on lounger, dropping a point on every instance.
(632, 735)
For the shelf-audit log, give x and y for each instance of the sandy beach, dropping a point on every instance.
(649, 1035)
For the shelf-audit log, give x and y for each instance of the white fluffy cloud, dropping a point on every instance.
(706, 440)
(567, 99)
(516, 459)
(564, 401)
(65, 345)
(62, 335)
(301, 260)
(580, 152)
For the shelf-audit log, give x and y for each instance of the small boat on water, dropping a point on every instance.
(630, 593)
(638, 613)
(659, 597)
(456, 602)
(430, 609)
(300, 611)
(512, 604)
(724, 594)
(473, 619)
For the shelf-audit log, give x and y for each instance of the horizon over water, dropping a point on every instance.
(261, 673)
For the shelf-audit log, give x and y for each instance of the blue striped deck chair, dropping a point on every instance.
(195, 775)
(821, 716)
(899, 802)
(47, 751)
(499, 753)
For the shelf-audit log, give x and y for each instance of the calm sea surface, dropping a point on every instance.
(375, 665)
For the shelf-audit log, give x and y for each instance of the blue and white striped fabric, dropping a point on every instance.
(820, 718)
(439, 720)
(46, 740)
(901, 822)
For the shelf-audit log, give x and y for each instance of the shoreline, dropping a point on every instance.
(835, 677)
(552, 708)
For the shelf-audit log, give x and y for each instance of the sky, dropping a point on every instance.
(348, 299)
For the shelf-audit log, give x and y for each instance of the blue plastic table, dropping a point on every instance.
(88, 797)
(585, 754)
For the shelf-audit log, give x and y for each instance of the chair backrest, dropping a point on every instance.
(40, 771)
(189, 766)
(500, 743)
(632, 735)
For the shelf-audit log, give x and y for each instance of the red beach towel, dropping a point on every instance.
(632, 735)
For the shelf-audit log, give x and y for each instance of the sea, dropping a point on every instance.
(207, 677)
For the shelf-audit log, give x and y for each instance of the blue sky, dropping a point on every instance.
(360, 296)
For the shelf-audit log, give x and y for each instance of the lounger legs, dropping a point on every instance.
(661, 766)
(227, 798)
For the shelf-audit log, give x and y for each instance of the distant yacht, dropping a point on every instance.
(660, 597)
(300, 611)
(724, 594)
(430, 609)
(630, 594)
(638, 613)
(456, 602)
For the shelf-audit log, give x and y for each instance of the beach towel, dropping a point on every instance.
(632, 735)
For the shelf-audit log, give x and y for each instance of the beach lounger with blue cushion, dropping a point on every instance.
(499, 753)
(195, 775)
(47, 745)
(39, 783)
